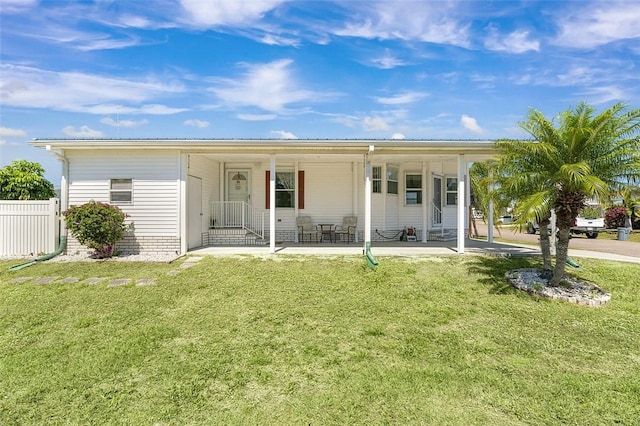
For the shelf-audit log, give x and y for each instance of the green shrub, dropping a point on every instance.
(97, 225)
(615, 217)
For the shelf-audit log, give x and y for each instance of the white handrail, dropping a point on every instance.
(437, 215)
(237, 214)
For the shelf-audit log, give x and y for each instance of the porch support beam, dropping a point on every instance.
(354, 194)
(221, 181)
(183, 233)
(490, 212)
(461, 202)
(367, 198)
(425, 223)
(272, 204)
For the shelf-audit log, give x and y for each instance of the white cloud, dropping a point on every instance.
(516, 42)
(122, 123)
(270, 87)
(397, 136)
(433, 22)
(598, 23)
(7, 132)
(227, 12)
(605, 94)
(257, 117)
(83, 132)
(28, 87)
(281, 134)
(470, 124)
(388, 61)
(402, 98)
(16, 6)
(374, 124)
(196, 123)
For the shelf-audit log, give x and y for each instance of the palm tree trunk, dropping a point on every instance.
(545, 245)
(562, 252)
(474, 233)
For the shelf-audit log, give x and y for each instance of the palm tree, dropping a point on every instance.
(583, 156)
(482, 179)
(521, 177)
(631, 202)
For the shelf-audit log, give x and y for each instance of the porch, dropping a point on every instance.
(237, 223)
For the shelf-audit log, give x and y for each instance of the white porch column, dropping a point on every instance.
(296, 197)
(367, 198)
(221, 182)
(425, 204)
(354, 193)
(461, 203)
(272, 204)
(490, 218)
(182, 182)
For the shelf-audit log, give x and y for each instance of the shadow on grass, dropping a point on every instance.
(492, 271)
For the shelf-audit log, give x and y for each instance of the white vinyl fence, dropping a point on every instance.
(29, 228)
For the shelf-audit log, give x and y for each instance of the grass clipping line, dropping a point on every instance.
(536, 281)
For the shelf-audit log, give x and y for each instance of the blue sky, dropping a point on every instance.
(304, 69)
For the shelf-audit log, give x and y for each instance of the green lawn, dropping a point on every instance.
(320, 341)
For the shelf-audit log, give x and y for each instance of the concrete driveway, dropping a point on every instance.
(578, 245)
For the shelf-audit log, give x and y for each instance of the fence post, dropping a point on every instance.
(54, 228)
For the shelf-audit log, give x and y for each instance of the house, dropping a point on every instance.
(182, 194)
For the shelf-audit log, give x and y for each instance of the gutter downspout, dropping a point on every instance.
(371, 260)
(64, 187)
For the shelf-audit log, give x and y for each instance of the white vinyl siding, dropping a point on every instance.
(155, 183)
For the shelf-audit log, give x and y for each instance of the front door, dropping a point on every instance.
(436, 216)
(194, 211)
(238, 185)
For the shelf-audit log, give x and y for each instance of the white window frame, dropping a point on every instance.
(407, 189)
(376, 179)
(392, 181)
(447, 191)
(122, 186)
(291, 190)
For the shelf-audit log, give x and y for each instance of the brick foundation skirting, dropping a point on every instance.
(131, 244)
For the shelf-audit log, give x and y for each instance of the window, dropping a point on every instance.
(451, 193)
(285, 187)
(392, 179)
(413, 188)
(121, 191)
(376, 179)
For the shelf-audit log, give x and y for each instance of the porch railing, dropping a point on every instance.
(237, 214)
(437, 216)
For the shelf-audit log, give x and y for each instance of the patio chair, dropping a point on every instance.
(307, 228)
(348, 228)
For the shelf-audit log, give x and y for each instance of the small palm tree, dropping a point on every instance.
(583, 156)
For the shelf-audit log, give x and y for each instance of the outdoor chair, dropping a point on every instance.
(307, 228)
(347, 229)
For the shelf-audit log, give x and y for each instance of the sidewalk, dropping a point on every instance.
(404, 249)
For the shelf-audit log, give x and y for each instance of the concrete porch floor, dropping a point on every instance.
(378, 248)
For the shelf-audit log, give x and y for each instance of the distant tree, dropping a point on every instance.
(581, 156)
(24, 180)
